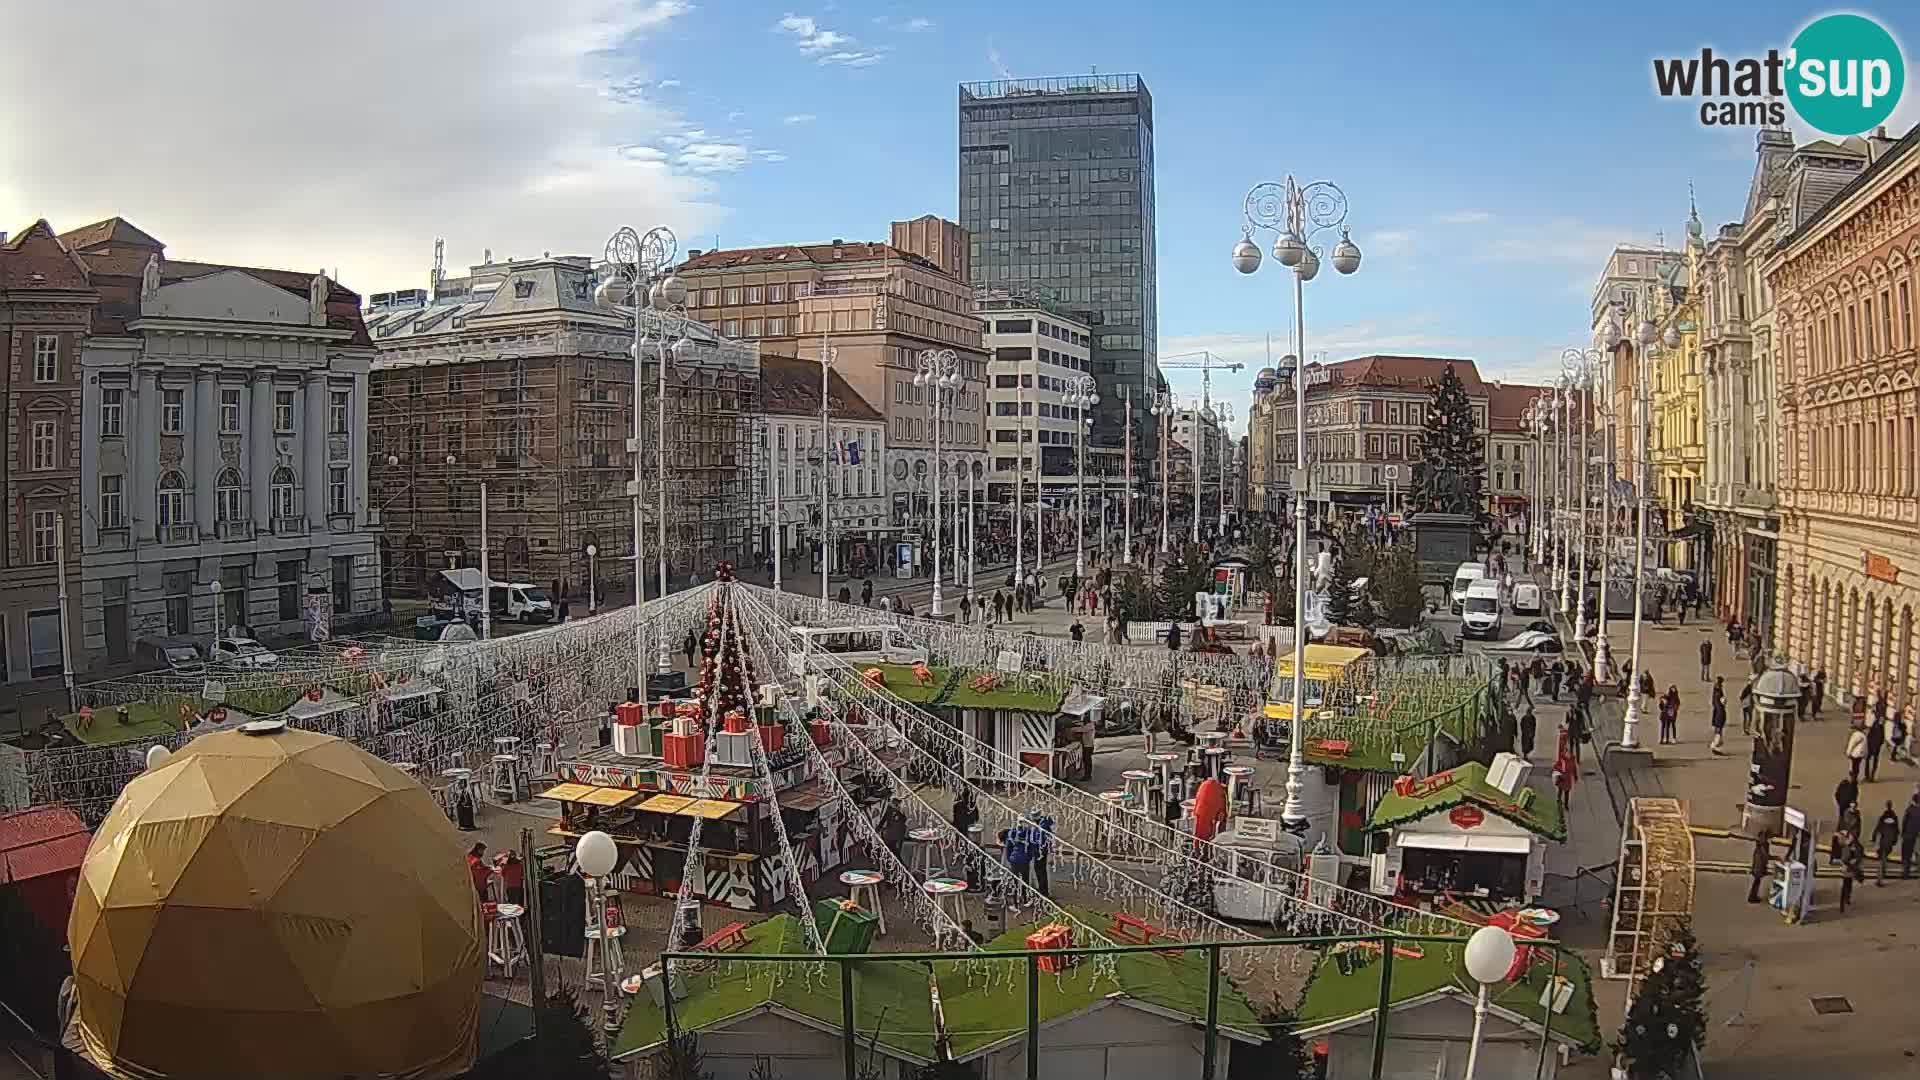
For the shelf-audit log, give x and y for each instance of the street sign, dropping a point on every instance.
(1392, 472)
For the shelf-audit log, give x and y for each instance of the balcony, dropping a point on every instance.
(290, 526)
(179, 534)
(234, 530)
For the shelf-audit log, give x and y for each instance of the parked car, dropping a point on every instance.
(1464, 576)
(169, 654)
(1526, 599)
(1481, 614)
(242, 652)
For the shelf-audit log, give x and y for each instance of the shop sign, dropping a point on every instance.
(1466, 817)
(1879, 568)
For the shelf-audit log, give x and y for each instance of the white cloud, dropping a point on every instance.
(1465, 217)
(1389, 243)
(1560, 240)
(800, 118)
(668, 84)
(858, 59)
(827, 47)
(713, 157)
(321, 168)
(917, 26)
(998, 65)
(769, 155)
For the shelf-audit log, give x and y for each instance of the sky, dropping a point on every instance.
(1492, 154)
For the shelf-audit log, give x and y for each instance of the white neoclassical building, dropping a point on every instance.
(223, 464)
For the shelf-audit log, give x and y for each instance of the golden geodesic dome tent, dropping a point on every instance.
(276, 904)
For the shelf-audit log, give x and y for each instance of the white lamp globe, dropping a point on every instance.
(1671, 339)
(1611, 335)
(612, 292)
(1645, 332)
(674, 289)
(1246, 255)
(1346, 254)
(1289, 249)
(597, 854)
(157, 756)
(1309, 266)
(592, 550)
(1490, 953)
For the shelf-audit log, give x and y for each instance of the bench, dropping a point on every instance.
(726, 939)
(1135, 931)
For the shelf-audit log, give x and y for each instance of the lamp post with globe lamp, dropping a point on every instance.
(1490, 955)
(1644, 336)
(828, 355)
(1584, 366)
(939, 374)
(1297, 214)
(640, 283)
(596, 853)
(1224, 411)
(593, 588)
(1080, 397)
(1563, 550)
(1162, 406)
(1610, 337)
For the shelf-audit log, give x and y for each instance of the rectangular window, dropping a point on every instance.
(753, 327)
(229, 412)
(173, 408)
(113, 612)
(42, 536)
(287, 575)
(733, 295)
(43, 445)
(709, 297)
(1906, 317)
(730, 328)
(176, 588)
(776, 294)
(753, 294)
(337, 490)
(1853, 334)
(339, 406)
(342, 584)
(113, 505)
(1886, 322)
(456, 380)
(776, 327)
(43, 642)
(233, 598)
(1866, 313)
(113, 402)
(46, 358)
(283, 412)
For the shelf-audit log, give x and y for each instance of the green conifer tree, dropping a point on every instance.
(1667, 1021)
(1340, 593)
(1451, 475)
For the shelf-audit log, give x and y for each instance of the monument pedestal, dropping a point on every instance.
(1441, 542)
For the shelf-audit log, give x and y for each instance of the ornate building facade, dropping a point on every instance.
(1677, 442)
(1740, 345)
(1845, 280)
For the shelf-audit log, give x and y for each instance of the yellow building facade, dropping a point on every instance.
(1677, 436)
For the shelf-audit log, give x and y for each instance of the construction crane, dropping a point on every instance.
(1204, 362)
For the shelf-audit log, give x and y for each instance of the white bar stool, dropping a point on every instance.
(506, 941)
(504, 782)
(863, 890)
(928, 841)
(606, 962)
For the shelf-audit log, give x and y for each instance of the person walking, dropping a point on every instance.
(966, 610)
(1819, 691)
(1806, 699)
(1719, 716)
(1078, 632)
(1886, 829)
(1173, 637)
(1746, 707)
(689, 646)
(1706, 660)
(1844, 794)
(1670, 715)
(1852, 869)
(866, 592)
(1856, 752)
(1760, 866)
(1529, 727)
(1909, 835)
(1876, 740)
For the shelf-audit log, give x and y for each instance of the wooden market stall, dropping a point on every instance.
(1014, 717)
(1458, 835)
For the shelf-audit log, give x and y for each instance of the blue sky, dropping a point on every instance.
(1492, 153)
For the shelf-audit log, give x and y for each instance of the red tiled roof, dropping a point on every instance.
(1414, 372)
(34, 258)
(781, 255)
(39, 841)
(113, 232)
(791, 387)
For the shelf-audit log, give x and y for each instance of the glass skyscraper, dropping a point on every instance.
(1056, 193)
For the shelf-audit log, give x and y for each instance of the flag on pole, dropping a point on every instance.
(853, 452)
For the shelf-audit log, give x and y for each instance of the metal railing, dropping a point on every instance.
(1211, 1067)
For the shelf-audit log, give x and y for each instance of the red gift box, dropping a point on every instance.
(683, 751)
(772, 737)
(736, 723)
(1052, 936)
(822, 735)
(627, 713)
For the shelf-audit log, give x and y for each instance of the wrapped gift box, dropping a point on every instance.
(733, 748)
(628, 713)
(683, 751)
(633, 740)
(735, 722)
(772, 737)
(822, 735)
(846, 928)
(1052, 936)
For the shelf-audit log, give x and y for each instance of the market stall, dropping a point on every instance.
(1460, 835)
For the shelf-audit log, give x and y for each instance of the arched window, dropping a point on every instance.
(230, 500)
(173, 499)
(282, 493)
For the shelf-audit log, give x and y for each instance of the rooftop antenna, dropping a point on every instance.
(439, 268)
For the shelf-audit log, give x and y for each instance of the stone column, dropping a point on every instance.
(260, 456)
(313, 433)
(205, 452)
(361, 464)
(143, 446)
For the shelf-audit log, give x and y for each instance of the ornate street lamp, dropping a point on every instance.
(940, 375)
(1080, 397)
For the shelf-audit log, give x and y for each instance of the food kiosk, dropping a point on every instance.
(1258, 852)
(1458, 835)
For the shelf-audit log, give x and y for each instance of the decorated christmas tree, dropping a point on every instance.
(1185, 571)
(726, 674)
(1667, 1021)
(1451, 475)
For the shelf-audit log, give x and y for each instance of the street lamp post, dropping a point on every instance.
(1563, 485)
(1584, 364)
(1644, 335)
(828, 354)
(593, 586)
(1297, 214)
(774, 438)
(1080, 397)
(1162, 407)
(1126, 489)
(1225, 412)
(976, 478)
(640, 266)
(939, 372)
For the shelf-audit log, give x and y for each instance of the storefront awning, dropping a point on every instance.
(608, 797)
(1499, 845)
(711, 809)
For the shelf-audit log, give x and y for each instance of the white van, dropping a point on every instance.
(1526, 598)
(1481, 615)
(522, 600)
(1467, 574)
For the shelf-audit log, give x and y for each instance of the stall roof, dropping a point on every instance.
(667, 804)
(811, 795)
(1283, 710)
(1323, 661)
(39, 841)
(609, 797)
(1010, 693)
(1528, 808)
(566, 792)
(900, 681)
(1498, 845)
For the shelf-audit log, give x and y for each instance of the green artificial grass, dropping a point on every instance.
(1013, 693)
(145, 720)
(985, 1009)
(891, 1003)
(902, 684)
(357, 684)
(1409, 722)
(1333, 996)
(262, 700)
(1467, 783)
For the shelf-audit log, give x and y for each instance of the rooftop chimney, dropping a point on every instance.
(693, 253)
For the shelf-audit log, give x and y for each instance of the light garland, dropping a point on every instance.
(718, 610)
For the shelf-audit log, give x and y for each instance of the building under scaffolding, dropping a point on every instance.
(511, 377)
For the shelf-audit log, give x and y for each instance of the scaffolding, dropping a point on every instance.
(514, 380)
(1653, 888)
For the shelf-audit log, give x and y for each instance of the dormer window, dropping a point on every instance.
(523, 288)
